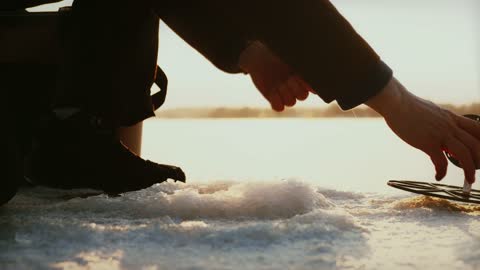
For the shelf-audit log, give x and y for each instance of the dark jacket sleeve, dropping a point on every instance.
(309, 35)
(206, 29)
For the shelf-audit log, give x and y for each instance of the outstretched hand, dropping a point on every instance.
(429, 128)
(418, 122)
(273, 78)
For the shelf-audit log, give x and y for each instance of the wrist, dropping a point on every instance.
(249, 56)
(389, 99)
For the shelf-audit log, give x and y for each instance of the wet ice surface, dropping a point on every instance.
(286, 224)
(241, 209)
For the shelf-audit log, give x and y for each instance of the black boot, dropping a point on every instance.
(78, 153)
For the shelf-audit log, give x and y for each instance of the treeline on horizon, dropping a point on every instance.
(330, 111)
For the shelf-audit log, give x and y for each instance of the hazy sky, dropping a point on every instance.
(432, 45)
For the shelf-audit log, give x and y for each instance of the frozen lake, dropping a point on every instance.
(261, 194)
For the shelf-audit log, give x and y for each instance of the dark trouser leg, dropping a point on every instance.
(110, 60)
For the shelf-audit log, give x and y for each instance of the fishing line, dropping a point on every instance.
(354, 114)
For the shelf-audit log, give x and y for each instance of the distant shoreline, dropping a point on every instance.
(331, 111)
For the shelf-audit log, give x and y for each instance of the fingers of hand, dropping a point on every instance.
(469, 125)
(275, 101)
(472, 144)
(292, 90)
(287, 95)
(440, 162)
(462, 154)
(306, 85)
(298, 89)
